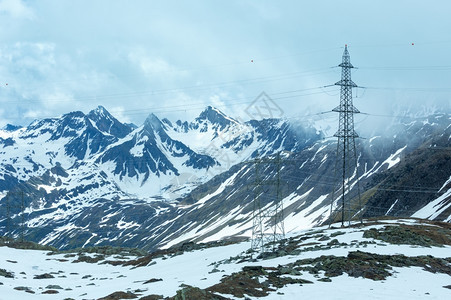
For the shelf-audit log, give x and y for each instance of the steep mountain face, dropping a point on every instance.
(150, 156)
(105, 122)
(420, 185)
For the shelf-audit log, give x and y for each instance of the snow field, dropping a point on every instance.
(195, 268)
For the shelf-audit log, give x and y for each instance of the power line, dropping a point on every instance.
(407, 68)
(411, 89)
(405, 44)
(200, 105)
(396, 116)
(197, 87)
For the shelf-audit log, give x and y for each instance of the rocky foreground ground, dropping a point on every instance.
(384, 259)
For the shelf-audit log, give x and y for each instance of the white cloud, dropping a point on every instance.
(119, 113)
(34, 114)
(149, 57)
(16, 9)
(217, 102)
(149, 65)
(3, 119)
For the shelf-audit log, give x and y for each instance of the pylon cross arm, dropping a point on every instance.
(346, 83)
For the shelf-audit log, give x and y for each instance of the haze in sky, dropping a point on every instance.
(173, 58)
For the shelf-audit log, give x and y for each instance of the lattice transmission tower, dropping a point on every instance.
(267, 223)
(346, 162)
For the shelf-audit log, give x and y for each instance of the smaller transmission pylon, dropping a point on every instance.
(268, 226)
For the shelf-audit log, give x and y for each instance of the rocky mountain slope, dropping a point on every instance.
(306, 180)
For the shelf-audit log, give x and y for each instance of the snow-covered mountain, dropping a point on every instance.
(97, 201)
(150, 161)
(28, 152)
(78, 165)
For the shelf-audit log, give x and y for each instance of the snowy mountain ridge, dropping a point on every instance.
(76, 164)
(118, 195)
(142, 161)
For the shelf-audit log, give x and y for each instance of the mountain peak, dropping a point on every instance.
(107, 123)
(99, 111)
(153, 122)
(10, 127)
(215, 116)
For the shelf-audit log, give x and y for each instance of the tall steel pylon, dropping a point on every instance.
(346, 161)
(267, 223)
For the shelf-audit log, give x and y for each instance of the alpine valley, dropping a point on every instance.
(89, 180)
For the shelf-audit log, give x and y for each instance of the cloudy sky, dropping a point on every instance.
(173, 58)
